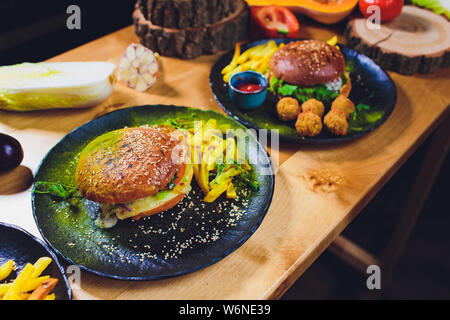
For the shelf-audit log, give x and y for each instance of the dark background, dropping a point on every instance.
(36, 30)
(33, 30)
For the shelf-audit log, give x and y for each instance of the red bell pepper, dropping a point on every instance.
(273, 22)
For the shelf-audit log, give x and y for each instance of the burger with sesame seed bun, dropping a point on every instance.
(134, 172)
(309, 69)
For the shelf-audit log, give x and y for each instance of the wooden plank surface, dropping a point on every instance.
(318, 190)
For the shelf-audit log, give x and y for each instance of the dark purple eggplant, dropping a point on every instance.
(11, 152)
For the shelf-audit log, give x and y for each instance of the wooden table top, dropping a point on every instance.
(318, 190)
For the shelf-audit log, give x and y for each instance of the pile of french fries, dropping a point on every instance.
(218, 157)
(29, 284)
(256, 58)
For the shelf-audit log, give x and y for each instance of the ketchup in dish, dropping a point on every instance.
(249, 87)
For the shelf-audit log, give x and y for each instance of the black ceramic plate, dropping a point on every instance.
(370, 85)
(23, 248)
(190, 236)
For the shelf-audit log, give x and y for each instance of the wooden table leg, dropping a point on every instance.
(434, 158)
(358, 257)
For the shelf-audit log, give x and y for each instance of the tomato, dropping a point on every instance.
(389, 9)
(273, 22)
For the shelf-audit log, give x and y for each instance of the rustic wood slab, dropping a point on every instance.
(418, 40)
(319, 190)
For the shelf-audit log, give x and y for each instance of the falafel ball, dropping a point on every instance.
(315, 106)
(288, 109)
(308, 124)
(336, 122)
(344, 104)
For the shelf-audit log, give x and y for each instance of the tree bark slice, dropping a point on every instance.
(418, 40)
(188, 43)
(182, 14)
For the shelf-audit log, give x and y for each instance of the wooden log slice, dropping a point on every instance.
(418, 40)
(189, 43)
(15, 180)
(182, 14)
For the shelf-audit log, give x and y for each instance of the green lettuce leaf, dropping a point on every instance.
(319, 92)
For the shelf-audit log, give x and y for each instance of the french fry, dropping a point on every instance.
(263, 63)
(19, 282)
(332, 41)
(230, 148)
(215, 156)
(40, 266)
(223, 128)
(202, 177)
(232, 65)
(32, 284)
(257, 51)
(43, 290)
(242, 58)
(227, 76)
(50, 297)
(197, 143)
(210, 124)
(216, 191)
(213, 152)
(249, 65)
(212, 145)
(228, 173)
(4, 287)
(29, 286)
(231, 191)
(5, 269)
(12, 296)
(272, 44)
(23, 296)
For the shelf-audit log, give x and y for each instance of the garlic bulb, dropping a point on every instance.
(138, 67)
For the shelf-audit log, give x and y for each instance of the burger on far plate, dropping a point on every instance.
(133, 173)
(309, 69)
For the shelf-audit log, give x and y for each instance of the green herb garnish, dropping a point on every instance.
(349, 66)
(245, 177)
(181, 123)
(60, 190)
(364, 117)
(220, 168)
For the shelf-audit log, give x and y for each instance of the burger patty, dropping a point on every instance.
(127, 164)
(307, 63)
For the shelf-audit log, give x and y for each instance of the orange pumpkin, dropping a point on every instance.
(323, 11)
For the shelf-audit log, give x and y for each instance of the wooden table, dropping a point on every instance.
(318, 190)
